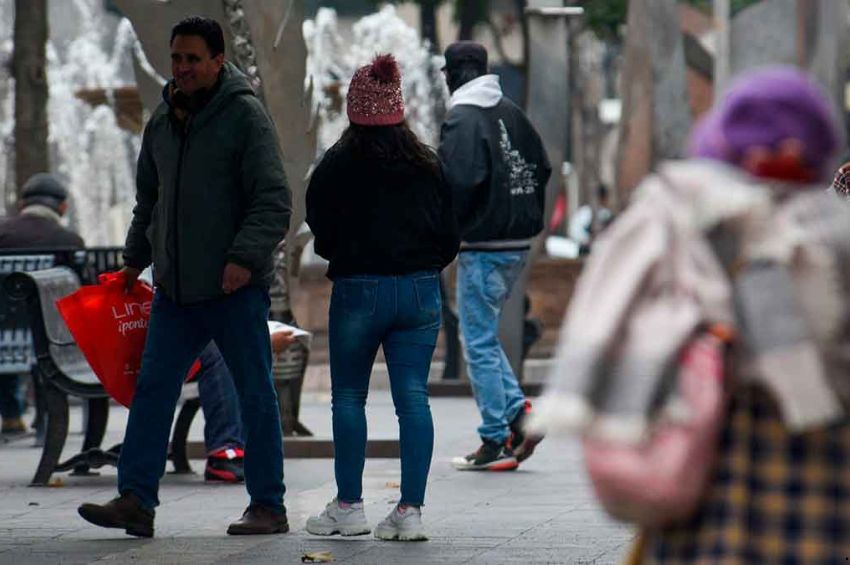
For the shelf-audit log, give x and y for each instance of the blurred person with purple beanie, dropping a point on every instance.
(780, 492)
(774, 124)
(775, 271)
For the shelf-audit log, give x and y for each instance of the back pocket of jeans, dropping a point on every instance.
(356, 297)
(428, 295)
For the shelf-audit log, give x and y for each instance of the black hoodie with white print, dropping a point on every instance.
(496, 166)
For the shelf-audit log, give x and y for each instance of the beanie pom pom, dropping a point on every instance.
(385, 68)
(374, 95)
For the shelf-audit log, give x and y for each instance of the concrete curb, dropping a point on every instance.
(318, 377)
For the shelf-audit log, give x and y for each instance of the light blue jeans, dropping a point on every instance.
(484, 283)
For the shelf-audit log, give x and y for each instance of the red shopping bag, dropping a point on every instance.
(110, 326)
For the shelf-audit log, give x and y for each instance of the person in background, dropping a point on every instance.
(223, 435)
(44, 202)
(586, 224)
(381, 215)
(497, 169)
(604, 215)
(38, 225)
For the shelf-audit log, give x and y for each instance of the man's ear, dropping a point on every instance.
(63, 208)
(219, 61)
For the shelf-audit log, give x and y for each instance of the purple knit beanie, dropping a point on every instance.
(764, 108)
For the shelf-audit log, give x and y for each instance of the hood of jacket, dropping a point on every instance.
(231, 83)
(484, 92)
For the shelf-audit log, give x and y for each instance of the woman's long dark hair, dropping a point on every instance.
(392, 146)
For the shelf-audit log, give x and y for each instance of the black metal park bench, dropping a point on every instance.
(61, 371)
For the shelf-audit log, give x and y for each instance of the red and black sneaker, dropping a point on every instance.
(491, 456)
(522, 444)
(226, 465)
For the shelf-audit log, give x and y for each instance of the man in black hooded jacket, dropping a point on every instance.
(496, 165)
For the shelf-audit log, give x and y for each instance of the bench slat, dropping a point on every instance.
(54, 284)
(16, 350)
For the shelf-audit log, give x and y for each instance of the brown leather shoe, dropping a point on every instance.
(13, 426)
(259, 520)
(124, 512)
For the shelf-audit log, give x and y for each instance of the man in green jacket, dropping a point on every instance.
(212, 203)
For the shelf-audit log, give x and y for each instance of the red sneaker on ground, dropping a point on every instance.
(226, 465)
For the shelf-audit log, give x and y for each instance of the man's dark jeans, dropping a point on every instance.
(176, 336)
(219, 401)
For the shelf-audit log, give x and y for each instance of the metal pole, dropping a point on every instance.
(547, 109)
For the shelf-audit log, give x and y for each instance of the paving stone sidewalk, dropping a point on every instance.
(542, 513)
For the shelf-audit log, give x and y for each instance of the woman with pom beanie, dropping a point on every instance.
(381, 215)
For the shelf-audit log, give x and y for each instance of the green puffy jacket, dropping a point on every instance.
(213, 193)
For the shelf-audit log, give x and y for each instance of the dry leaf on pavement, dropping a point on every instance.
(317, 557)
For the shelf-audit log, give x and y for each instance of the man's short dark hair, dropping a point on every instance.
(205, 28)
(462, 53)
(465, 61)
(463, 73)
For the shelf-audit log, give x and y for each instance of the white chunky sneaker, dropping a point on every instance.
(345, 520)
(402, 525)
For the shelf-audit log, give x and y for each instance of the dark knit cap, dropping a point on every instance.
(374, 95)
(44, 185)
(466, 53)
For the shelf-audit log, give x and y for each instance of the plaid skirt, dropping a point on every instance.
(774, 497)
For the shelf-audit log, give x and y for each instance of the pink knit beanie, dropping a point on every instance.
(374, 95)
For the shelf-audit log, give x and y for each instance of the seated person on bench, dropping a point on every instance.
(220, 405)
(222, 418)
(38, 225)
